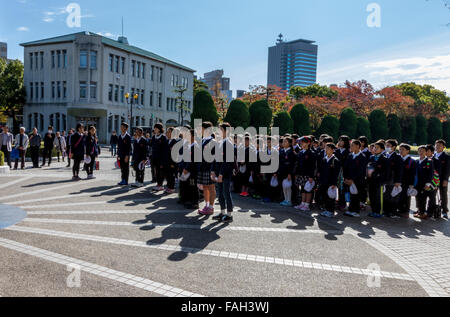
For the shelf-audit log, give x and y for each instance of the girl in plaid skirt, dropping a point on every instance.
(204, 177)
(305, 172)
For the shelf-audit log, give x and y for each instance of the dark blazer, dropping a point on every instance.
(306, 164)
(160, 150)
(395, 170)
(124, 146)
(77, 146)
(442, 165)
(379, 176)
(225, 168)
(355, 168)
(329, 171)
(288, 159)
(140, 151)
(48, 140)
(409, 172)
(114, 139)
(424, 173)
(91, 147)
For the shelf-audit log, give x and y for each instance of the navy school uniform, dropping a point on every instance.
(442, 165)
(123, 151)
(355, 170)
(172, 166)
(139, 155)
(328, 176)
(408, 178)
(394, 176)
(205, 168)
(424, 177)
(189, 194)
(288, 158)
(342, 155)
(377, 166)
(160, 157)
(305, 167)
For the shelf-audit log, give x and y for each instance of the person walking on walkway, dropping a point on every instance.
(123, 154)
(49, 140)
(6, 139)
(77, 150)
(35, 145)
(60, 145)
(21, 144)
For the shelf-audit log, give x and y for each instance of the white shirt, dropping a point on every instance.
(357, 154)
(329, 158)
(438, 155)
(406, 157)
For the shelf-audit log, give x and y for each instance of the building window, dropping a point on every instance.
(64, 127)
(110, 62)
(41, 122)
(160, 75)
(36, 56)
(53, 90)
(110, 92)
(151, 98)
(52, 120)
(93, 59)
(152, 73)
(172, 80)
(110, 123)
(138, 70)
(168, 104)
(117, 64)
(42, 60)
(36, 88)
(122, 94)
(59, 89)
(143, 70)
(93, 89)
(116, 94)
(42, 90)
(64, 89)
(64, 58)
(160, 100)
(31, 60)
(53, 59)
(83, 59)
(58, 122)
(122, 64)
(133, 66)
(83, 90)
(31, 91)
(58, 54)
(142, 97)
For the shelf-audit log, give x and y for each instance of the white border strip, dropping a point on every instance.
(98, 270)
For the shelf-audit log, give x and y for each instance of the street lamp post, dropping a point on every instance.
(133, 99)
(181, 90)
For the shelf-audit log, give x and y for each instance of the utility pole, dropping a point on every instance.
(180, 90)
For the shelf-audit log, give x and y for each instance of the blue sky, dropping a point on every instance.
(412, 44)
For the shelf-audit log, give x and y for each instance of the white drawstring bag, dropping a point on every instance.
(274, 182)
(250, 180)
(353, 189)
(332, 193)
(243, 169)
(141, 166)
(396, 191)
(287, 184)
(87, 160)
(309, 186)
(412, 192)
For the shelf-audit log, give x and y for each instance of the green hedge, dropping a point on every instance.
(284, 122)
(348, 123)
(2, 158)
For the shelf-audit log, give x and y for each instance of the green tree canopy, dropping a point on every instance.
(363, 128)
(260, 114)
(284, 122)
(395, 130)
(198, 84)
(238, 114)
(423, 94)
(12, 90)
(434, 130)
(300, 115)
(312, 91)
(330, 126)
(378, 125)
(348, 123)
(421, 130)
(204, 107)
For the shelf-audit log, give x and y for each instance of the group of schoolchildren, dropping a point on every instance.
(312, 173)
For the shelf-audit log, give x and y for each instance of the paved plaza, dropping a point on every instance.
(93, 238)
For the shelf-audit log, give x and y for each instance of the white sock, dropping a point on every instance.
(223, 212)
(306, 204)
(207, 205)
(229, 213)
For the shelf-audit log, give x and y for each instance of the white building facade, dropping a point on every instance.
(84, 77)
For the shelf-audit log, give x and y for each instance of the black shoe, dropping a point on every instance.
(218, 217)
(227, 219)
(445, 215)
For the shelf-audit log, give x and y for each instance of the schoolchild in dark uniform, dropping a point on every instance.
(123, 153)
(139, 157)
(342, 152)
(77, 150)
(172, 169)
(376, 179)
(328, 177)
(91, 151)
(442, 162)
(160, 156)
(423, 183)
(408, 178)
(286, 170)
(366, 152)
(354, 172)
(305, 172)
(204, 177)
(432, 209)
(394, 179)
(244, 166)
(321, 154)
(224, 171)
(188, 187)
(269, 193)
(255, 167)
